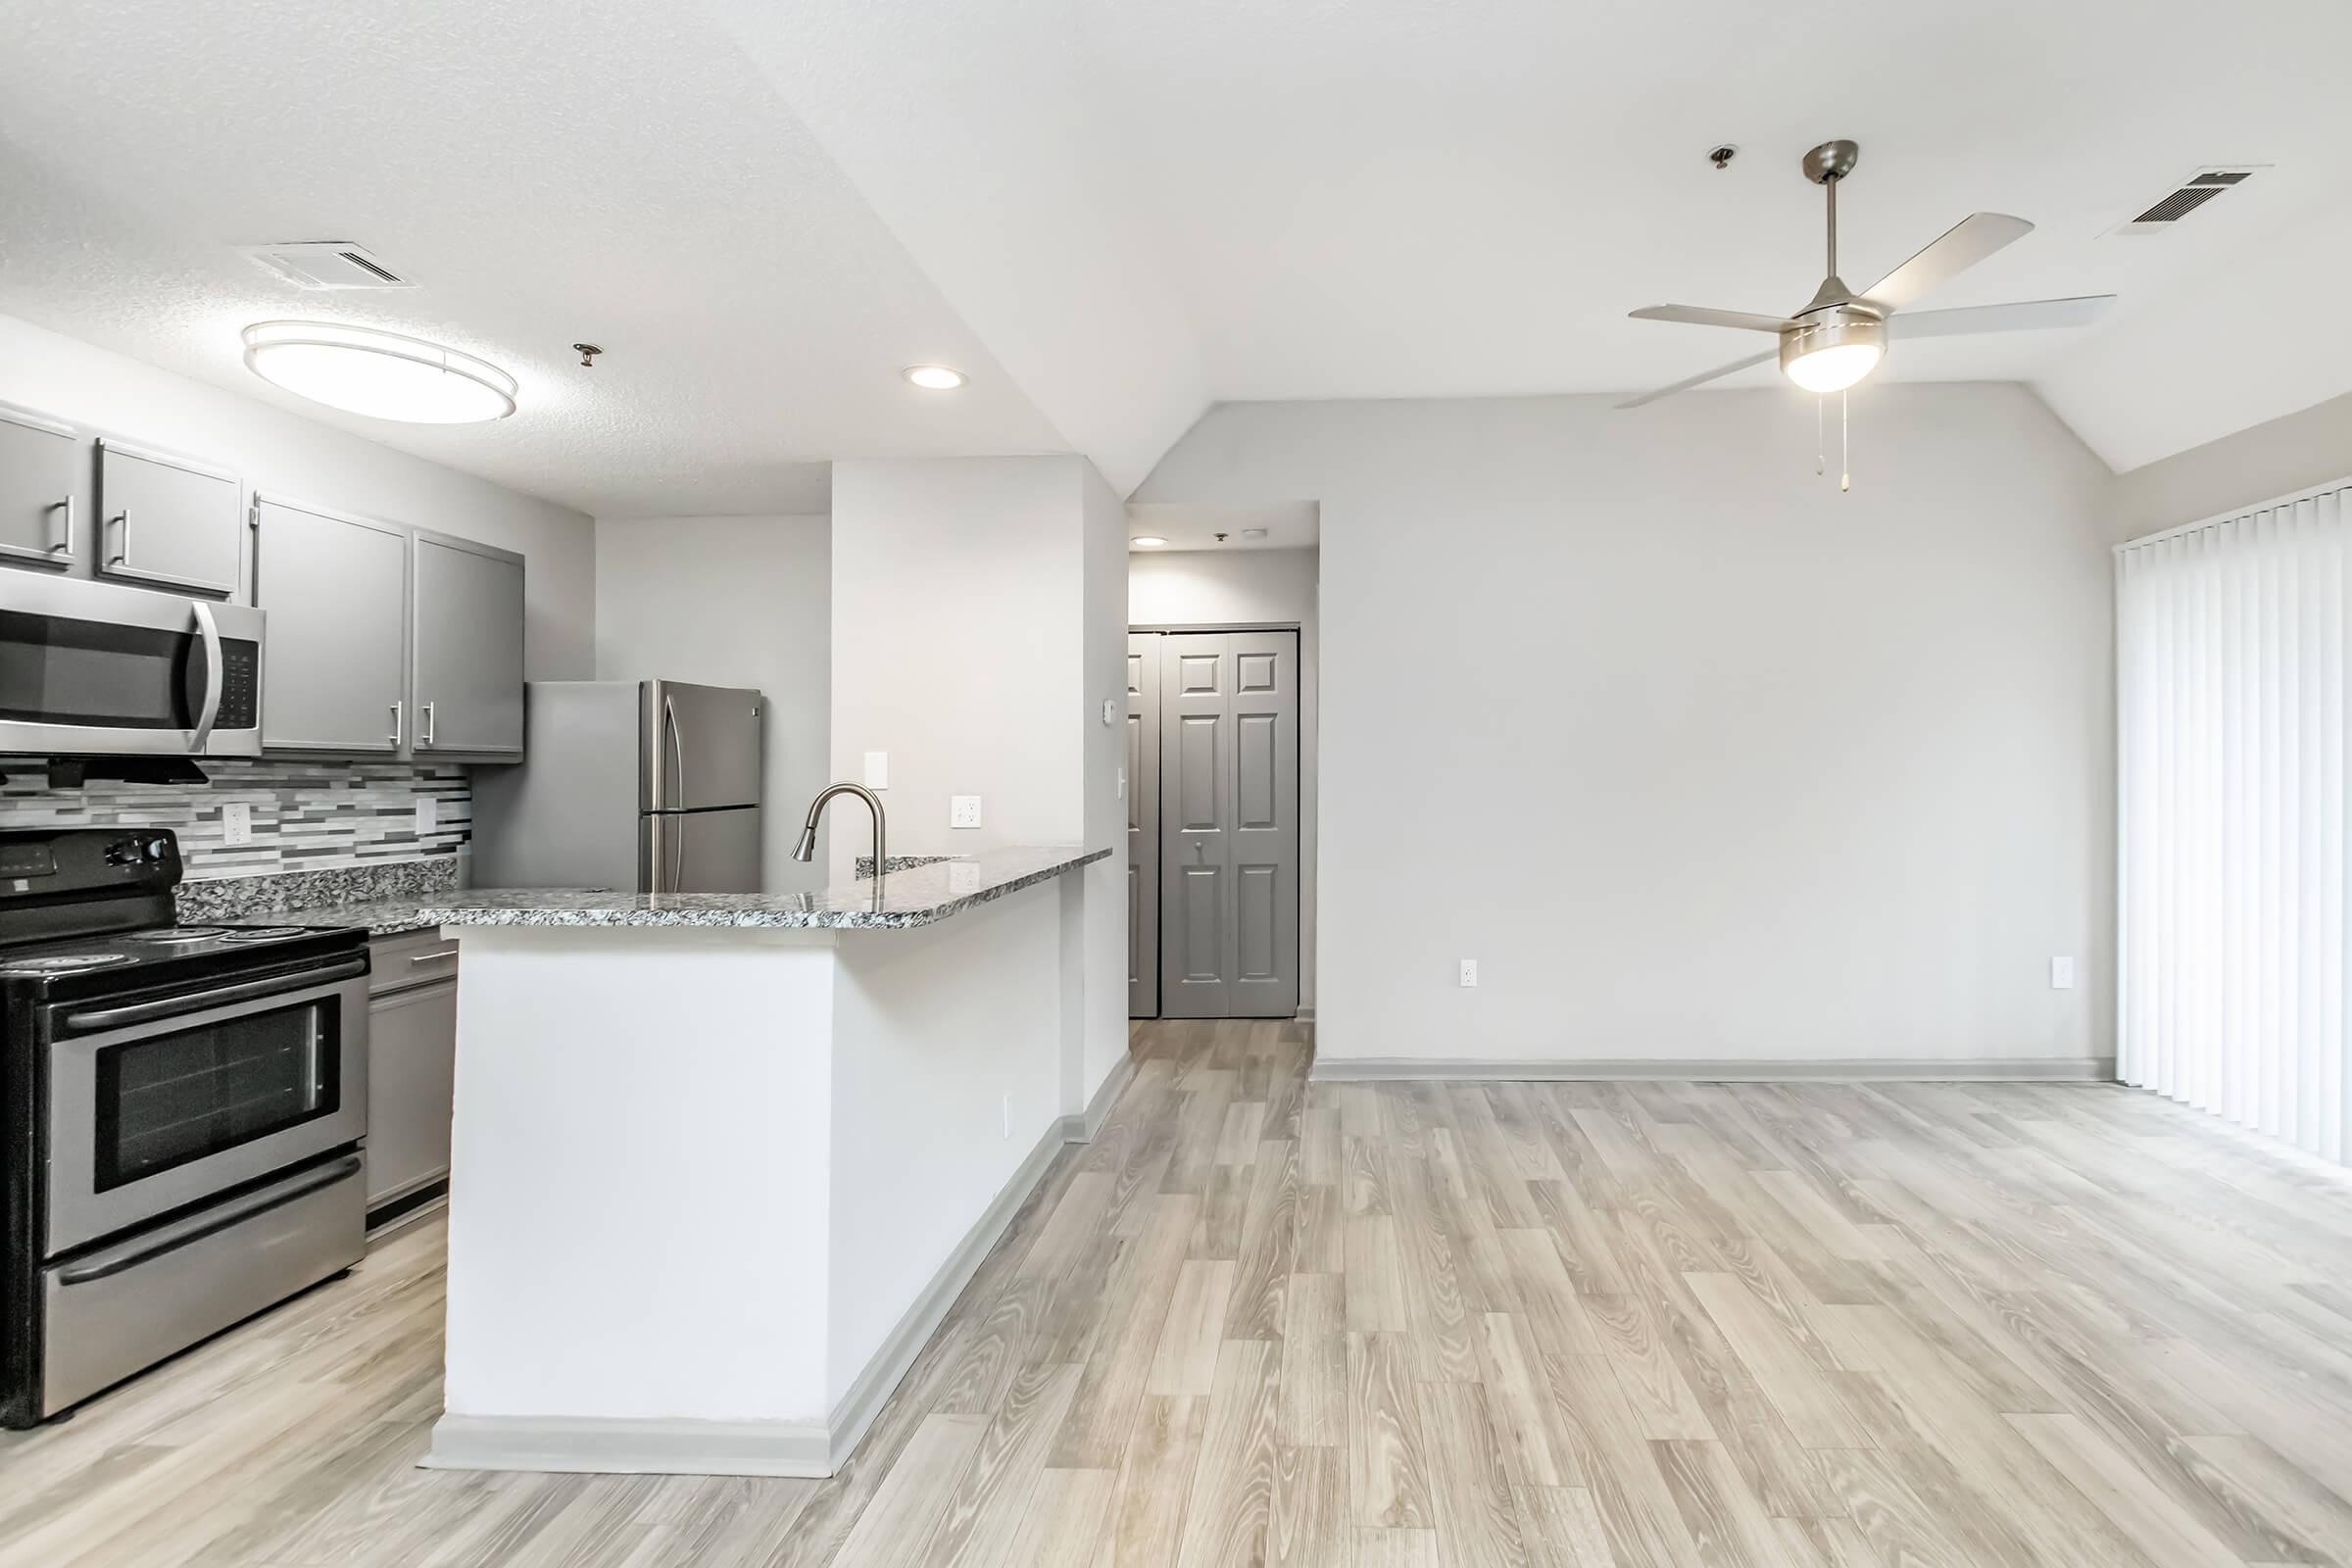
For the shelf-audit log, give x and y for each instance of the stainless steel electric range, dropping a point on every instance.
(181, 1109)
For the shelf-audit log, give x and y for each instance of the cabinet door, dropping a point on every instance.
(170, 520)
(40, 475)
(335, 588)
(467, 639)
(412, 1068)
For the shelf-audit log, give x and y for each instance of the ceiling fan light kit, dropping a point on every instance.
(1840, 338)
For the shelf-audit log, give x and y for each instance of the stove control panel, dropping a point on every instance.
(49, 865)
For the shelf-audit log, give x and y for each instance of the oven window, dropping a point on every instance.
(54, 671)
(166, 1101)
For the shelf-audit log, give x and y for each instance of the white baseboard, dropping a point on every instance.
(1988, 1069)
(662, 1445)
(1080, 1127)
(629, 1447)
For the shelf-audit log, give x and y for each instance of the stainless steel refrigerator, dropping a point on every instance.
(647, 785)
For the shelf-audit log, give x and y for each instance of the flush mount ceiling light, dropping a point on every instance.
(1148, 541)
(382, 374)
(934, 377)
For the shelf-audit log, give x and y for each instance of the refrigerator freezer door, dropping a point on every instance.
(701, 747)
(699, 852)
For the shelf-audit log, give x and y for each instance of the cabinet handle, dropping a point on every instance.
(121, 557)
(395, 724)
(65, 544)
(426, 738)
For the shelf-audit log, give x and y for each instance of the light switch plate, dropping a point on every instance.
(428, 814)
(877, 771)
(236, 822)
(2062, 974)
(963, 811)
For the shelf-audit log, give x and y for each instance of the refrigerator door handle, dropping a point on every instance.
(676, 746)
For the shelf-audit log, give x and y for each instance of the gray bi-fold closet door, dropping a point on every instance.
(1227, 776)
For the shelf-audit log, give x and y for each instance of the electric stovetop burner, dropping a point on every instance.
(171, 936)
(63, 963)
(263, 933)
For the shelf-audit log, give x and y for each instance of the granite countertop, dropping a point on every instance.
(918, 896)
(383, 917)
(387, 896)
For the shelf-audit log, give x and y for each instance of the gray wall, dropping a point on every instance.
(1215, 587)
(1699, 757)
(2274, 459)
(733, 601)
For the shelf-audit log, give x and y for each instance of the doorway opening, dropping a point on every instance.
(1214, 842)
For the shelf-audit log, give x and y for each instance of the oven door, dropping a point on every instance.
(157, 1105)
(92, 667)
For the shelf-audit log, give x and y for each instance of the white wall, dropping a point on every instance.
(1234, 587)
(2276, 458)
(1102, 520)
(1699, 757)
(281, 452)
(733, 601)
(979, 621)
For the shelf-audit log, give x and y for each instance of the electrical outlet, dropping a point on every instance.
(1008, 1115)
(428, 814)
(1469, 971)
(236, 822)
(963, 811)
(877, 771)
(2062, 974)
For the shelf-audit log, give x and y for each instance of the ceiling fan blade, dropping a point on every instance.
(1700, 378)
(2025, 315)
(1701, 316)
(1959, 248)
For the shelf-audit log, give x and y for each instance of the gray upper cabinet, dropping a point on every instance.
(467, 640)
(335, 588)
(40, 480)
(167, 520)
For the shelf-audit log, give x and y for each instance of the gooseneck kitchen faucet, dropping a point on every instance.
(806, 850)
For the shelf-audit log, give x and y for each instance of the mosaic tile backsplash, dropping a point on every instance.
(306, 817)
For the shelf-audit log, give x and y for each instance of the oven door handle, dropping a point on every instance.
(220, 1219)
(174, 1006)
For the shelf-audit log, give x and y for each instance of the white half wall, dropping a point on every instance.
(733, 601)
(1701, 758)
(275, 451)
(1211, 588)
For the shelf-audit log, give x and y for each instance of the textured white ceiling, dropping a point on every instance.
(1287, 524)
(1114, 212)
(549, 172)
(1386, 198)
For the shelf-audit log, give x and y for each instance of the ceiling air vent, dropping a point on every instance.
(2194, 192)
(326, 263)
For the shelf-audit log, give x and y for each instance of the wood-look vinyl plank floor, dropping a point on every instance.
(1262, 1322)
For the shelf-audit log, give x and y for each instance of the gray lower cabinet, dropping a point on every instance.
(465, 640)
(167, 520)
(335, 587)
(412, 1063)
(40, 484)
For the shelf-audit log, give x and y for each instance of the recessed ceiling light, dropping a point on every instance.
(1148, 541)
(383, 374)
(935, 377)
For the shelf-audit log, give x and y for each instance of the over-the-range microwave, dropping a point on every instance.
(94, 669)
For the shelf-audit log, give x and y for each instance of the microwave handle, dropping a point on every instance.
(211, 632)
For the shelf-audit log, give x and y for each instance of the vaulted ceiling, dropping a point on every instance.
(1113, 213)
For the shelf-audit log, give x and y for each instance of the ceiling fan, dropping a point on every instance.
(1840, 336)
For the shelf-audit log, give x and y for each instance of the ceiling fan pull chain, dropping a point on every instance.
(1845, 469)
(1821, 461)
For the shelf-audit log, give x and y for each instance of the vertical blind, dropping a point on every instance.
(2231, 694)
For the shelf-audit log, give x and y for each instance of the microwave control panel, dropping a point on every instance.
(240, 684)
